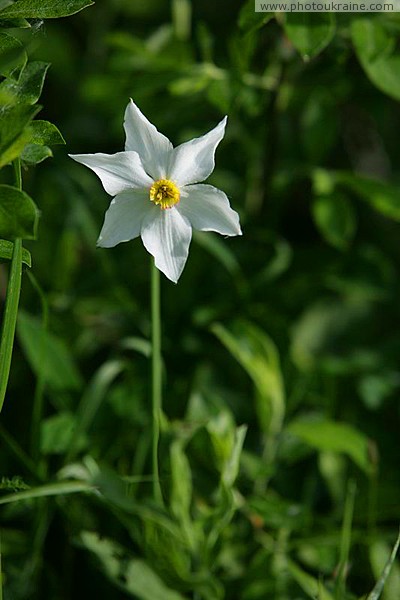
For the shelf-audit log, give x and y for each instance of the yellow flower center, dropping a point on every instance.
(164, 193)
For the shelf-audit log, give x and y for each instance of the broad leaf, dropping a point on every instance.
(325, 435)
(335, 218)
(12, 135)
(41, 133)
(309, 33)
(45, 133)
(44, 9)
(376, 51)
(5, 3)
(12, 54)
(250, 21)
(33, 154)
(18, 214)
(29, 86)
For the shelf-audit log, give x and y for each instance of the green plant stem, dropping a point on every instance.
(345, 542)
(11, 306)
(156, 374)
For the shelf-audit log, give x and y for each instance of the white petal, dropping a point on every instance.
(152, 146)
(193, 161)
(208, 209)
(166, 234)
(123, 219)
(118, 172)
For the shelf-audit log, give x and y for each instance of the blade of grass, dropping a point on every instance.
(345, 541)
(52, 489)
(378, 589)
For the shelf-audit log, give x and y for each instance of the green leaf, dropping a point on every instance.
(335, 218)
(51, 489)
(91, 401)
(42, 134)
(310, 33)
(376, 50)
(18, 214)
(47, 354)
(383, 197)
(257, 354)
(45, 133)
(13, 135)
(12, 54)
(325, 435)
(6, 252)
(250, 21)
(44, 9)
(57, 433)
(29, 86)
(133, 576)
(309, 584)
(14, 23)
(34, 154)
(5, 3)
(181, 483)
(381, 556)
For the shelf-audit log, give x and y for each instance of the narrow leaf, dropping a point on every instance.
(6, 252)
(257, 354)
(48, 355)
(377, 591)
(134, 576)
(51, 489)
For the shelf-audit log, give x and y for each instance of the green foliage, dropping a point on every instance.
(311, 32)
(18, 214)
(43, 9)
(48, 355)
(279, 436)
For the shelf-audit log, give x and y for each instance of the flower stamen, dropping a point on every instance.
(164, 193)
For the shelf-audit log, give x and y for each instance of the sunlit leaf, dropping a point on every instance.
(28, 88)
(12, 54)
(44, 9)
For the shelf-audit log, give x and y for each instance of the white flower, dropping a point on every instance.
(157, 193)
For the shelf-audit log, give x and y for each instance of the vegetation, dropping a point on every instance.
(278, 453)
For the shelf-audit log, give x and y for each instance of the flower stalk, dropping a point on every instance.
(156, 376)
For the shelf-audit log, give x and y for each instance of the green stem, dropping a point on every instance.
(156, 374)
(12, 301)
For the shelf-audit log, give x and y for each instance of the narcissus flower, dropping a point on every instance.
(157, 194)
